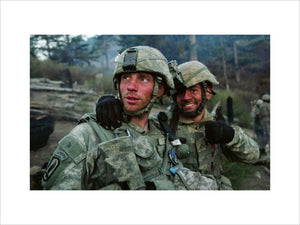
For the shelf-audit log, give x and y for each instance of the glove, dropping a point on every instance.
(218, 132)
(109, 112)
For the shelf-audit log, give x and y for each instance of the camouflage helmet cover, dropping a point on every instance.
(194, 72)
(146, 59)
(259, 102)
(266, 97)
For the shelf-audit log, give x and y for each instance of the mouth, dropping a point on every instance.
(131, 99)
(188, 106)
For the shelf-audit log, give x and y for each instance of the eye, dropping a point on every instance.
(125, 77)
(143, 79)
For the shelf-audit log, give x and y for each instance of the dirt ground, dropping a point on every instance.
(243, 177)
(40, 157)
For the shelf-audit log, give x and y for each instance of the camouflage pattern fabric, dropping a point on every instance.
(255, 114)
(149, 60)
(186, 179)
(120, 159)
(194, 72)
(265, 121)
(206, 158)
(132, 159)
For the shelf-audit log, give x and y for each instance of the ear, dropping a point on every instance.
(161, 89)
(208, 93)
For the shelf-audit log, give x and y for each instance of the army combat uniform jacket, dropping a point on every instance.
(265, 120)
(206, 158)
(92, 158)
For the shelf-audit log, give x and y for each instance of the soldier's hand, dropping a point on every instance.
(109, 112)
(218, 132)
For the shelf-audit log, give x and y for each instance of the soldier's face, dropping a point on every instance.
(136, 90)
(189, 100)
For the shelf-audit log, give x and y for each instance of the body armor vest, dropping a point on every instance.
(204, 157)
(143, 155)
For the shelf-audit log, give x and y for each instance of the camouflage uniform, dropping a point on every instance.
(126, 158)
(255, 114)
(91, 157)
(264, 114)
(204, 157)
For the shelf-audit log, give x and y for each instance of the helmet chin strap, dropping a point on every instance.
(200, 109)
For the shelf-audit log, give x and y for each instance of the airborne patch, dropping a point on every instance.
(52, 165)
(61, 155)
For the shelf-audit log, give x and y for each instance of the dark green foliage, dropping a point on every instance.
(245, 176)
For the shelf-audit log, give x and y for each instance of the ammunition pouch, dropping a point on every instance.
(121, 163)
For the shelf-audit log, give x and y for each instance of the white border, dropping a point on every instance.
(19, 19)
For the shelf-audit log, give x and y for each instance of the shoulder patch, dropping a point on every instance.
(51, 167)
(71, 148)
(61, 155)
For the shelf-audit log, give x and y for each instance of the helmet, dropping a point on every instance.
(266, 97)
(195, 72)
(143, 59)
(259, 102)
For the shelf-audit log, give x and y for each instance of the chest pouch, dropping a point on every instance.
(121, 163)
(146, 154)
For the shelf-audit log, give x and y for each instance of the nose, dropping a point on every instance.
(187, 95)
(132, 84)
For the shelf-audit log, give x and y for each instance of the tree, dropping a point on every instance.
(193, 43)
(172, 46)
(71, 50)
(101, 46)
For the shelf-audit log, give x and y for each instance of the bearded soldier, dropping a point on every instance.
(207, 138)
(134, 156)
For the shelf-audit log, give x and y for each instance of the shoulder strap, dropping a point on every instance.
(103, 134)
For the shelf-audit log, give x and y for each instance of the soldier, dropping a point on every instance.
(255, 114)
(136, 155)
(264, 113)
(206, 138)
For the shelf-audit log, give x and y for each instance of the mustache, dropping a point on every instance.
(188, 101)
